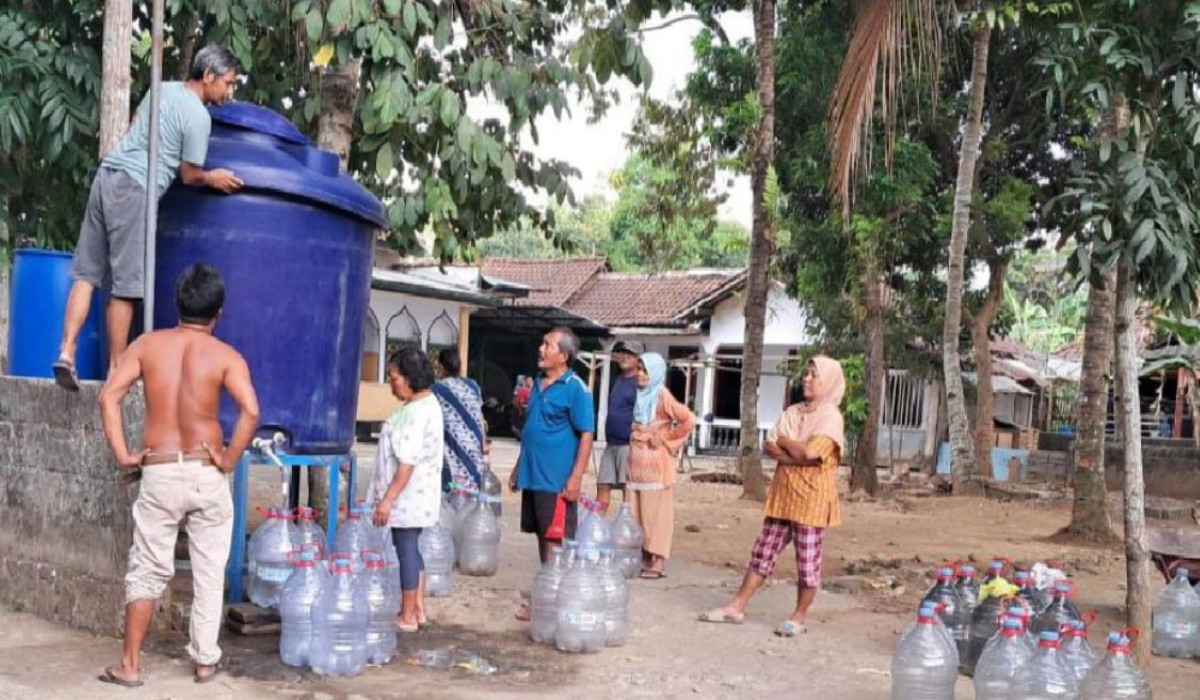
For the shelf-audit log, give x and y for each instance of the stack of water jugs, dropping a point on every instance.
(1177, 619)
(338, 613)
(471, 519)
(1018, 647)
(580, 600)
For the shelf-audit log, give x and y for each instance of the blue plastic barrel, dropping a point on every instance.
(41, 283)
(295, 248)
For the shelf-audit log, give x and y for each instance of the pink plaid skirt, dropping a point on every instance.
(775, 536)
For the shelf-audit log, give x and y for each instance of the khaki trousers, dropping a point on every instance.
(197, 496)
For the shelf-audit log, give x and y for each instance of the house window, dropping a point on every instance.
(370, 352)
(727, 397)
(903, 400)
(402, 332)
(443, 335)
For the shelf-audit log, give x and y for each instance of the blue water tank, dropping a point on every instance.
(41, 283)
(295, 247)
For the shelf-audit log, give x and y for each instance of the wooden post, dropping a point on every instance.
(1177, 428)
(464, 337)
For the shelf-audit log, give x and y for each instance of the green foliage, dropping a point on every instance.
(421, 62)
(1134, 192)
(49, 116)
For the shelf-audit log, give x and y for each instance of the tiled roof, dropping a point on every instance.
(554, 282)
(641, 300)
(584, 288)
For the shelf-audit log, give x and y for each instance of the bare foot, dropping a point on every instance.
(205, 674)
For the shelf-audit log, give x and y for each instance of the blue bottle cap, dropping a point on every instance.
(1048, 636)
(947, 572)
(1012, 623)
(1114, 637)
(1181, 572)
(966, 569)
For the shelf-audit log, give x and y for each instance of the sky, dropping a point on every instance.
(597, 150)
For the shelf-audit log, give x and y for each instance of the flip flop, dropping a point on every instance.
(790, 628)
(109, 677)
(719, 616)
(407, 629)
(207, 678)
(651, 575)
(64, 375)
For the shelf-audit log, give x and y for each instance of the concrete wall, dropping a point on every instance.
(65, 525)
(385, 305)
(1171, 469)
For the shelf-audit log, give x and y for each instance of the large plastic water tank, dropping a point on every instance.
(41, 283)
(295, 248)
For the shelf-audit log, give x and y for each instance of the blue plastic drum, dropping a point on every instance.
(41, 283)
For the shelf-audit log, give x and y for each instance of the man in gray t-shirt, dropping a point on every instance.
(110, 253)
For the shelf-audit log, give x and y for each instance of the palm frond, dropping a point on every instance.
(892, 39)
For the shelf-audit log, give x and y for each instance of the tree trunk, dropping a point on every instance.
(981, 340)
(1089, 515)
(1129, 423)
(762, 244)
(961, 452)
(117, 66)
(864, 476)
(339, 96)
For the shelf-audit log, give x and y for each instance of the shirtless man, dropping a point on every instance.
(184, 467)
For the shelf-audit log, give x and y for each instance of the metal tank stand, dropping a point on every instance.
(267, 453)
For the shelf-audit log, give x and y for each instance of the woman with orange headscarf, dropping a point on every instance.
(807, 442)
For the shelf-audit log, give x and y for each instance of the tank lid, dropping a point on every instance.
(285, 162)
(254, 118)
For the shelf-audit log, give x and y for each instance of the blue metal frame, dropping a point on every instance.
(235, 570)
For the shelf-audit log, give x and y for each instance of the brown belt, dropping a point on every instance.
(200, 456)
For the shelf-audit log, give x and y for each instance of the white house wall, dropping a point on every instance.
(784, 333)
(386, 304)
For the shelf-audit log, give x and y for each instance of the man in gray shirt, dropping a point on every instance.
(110, 253)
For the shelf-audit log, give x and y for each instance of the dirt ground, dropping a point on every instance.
(876, 568)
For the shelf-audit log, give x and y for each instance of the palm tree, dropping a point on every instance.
(762, 245)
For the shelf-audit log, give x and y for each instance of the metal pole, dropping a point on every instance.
(156, 48)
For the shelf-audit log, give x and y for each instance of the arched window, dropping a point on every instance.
(442, 334)
(403, 331)
(370, 351)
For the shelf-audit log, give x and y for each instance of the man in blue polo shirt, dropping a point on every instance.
(556, 443)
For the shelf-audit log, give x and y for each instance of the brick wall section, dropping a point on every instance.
(65, 525)
(1050, 467)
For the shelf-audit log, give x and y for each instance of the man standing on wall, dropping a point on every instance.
(110, 253)
(614, 463)
(185, 468)
(555, 445)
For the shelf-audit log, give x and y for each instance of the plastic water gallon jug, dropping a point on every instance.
(479, 543)
(923, 666)
(340, 620)
(356, 534)
(1176, 619)
(985, 621)
(1079, 656)
(616, 606)
(490, 491)
(1058, 613)
(1116, 676)
(1000, 661)
(968, 589)
(627, 541)
(271, 546)
(382, 593)
(950, 609)
(296, 601)
(544, 599)
(1046, 676)
(580, 608)
(310, 531)
(594, 535)
(437, 549)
